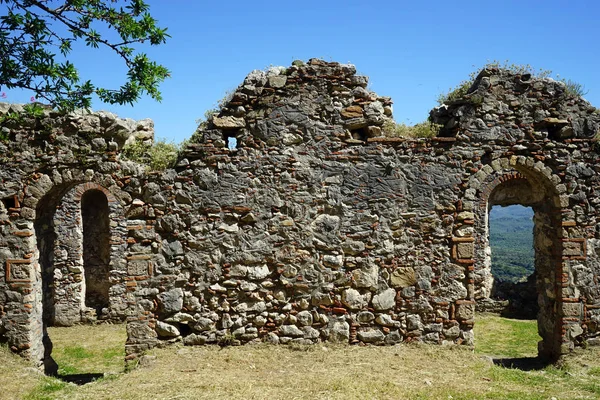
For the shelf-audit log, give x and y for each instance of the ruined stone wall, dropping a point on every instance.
(48, 163)
(317, 227)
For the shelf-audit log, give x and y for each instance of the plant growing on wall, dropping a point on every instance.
(424, 129)
(33, 31)
(158, 156)
(572, 88)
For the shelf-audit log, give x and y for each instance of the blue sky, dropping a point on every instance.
(412, 51)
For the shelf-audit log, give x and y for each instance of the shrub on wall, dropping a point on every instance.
(158, 156)
(424, 129)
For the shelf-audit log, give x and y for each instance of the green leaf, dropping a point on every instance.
(34, 31)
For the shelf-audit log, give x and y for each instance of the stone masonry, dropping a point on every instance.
(315, 227)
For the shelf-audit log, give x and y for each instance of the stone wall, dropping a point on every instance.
(315, 227)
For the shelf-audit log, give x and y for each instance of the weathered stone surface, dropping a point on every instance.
(290, 330)
(353, 247)
(339, 332)
(465, 250)
(353, 299)
(386, 320)
(258, 272)
(228, 122)
(171, 301)
(166, 330)
(384, 300)
(304, 318)
(465, 311)
(413, 322)
(371, 336)
(365, 316)
(366, 277)
(277, 81)
(403, 277)
(352, 112)
(194, 340)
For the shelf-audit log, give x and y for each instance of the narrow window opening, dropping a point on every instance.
(231, 143)
(10, 202)
(231, 140)
(360, 133)
(96, 249)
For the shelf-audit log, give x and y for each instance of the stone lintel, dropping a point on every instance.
(467, 261)
(140, 257)
(569, 223)
(463, 239)
(570, 300)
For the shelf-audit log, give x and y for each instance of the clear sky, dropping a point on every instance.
(412, 51)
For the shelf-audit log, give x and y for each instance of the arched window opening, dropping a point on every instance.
(96, 249)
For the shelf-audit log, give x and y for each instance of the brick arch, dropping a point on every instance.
(530, 183)
(498, 179)
(84, 187)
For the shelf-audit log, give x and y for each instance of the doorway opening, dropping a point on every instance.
(513, 260)
(96, 250)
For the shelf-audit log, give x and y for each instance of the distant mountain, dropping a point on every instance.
(511, 239)
(511, 212)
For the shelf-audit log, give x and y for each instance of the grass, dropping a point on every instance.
(89, 349)
(297, 372)
(503, 337)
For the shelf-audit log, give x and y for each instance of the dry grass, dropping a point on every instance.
(320, 371)
(17, 378)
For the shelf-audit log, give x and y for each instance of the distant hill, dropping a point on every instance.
(511, 239)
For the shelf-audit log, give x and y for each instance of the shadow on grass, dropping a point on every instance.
(80, 379)
(522, 363)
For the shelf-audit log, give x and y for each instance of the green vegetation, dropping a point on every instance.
(158, 156)
(574, 88)
(511, 240)
(421, 130)
(5, 121)
(31, 32)
(89, 349)
(457, 92)
(33, 110)
(48, 389)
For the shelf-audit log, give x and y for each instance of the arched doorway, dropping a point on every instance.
(519, 185)
(517, 189)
